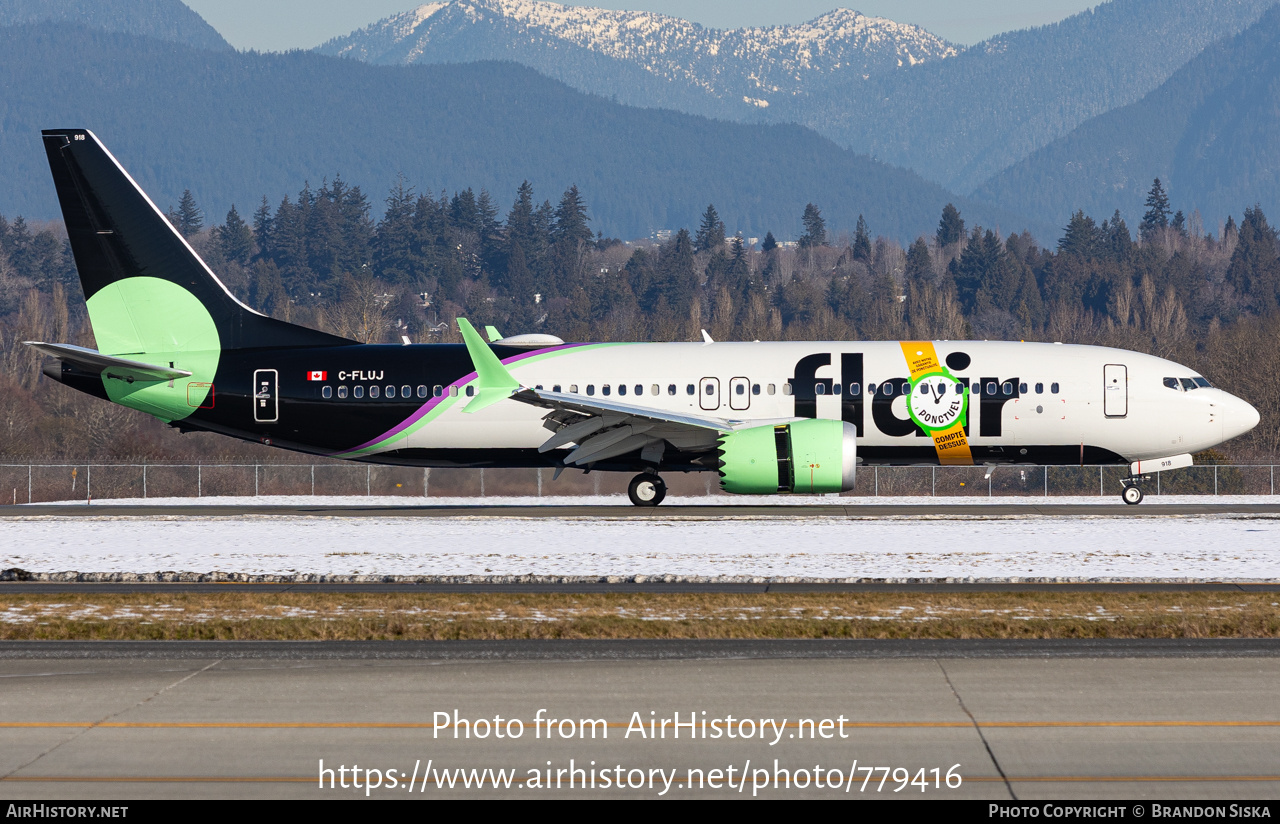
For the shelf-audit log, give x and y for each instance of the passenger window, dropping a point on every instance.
(1203, 382)
(835, 388)
(1172, 383)
(374, 391)
(786, 388)
(573, 389)
(671, 389)
(357, 391)
(326, 392)
(977, 387)
(689, 390)
(422, 390)
(871, 389)
(960, 387)
(739, 390)
(591, 389)
(342, 391)
(605, 390)
(711, 390)
(555, 388)
(405, 391)
(622, 389)
(855, 389)
(819, 389)
(655, 389)
(391, 392)
(887, 389)
(437, 390)
(1039, 388)
(1053, 388)
(471, 391)
(771, 389)
(755, 389)
(1022, 389)
(453, 391)
(1007, 388)
(640, 389)
(906, 387)
(991, 389)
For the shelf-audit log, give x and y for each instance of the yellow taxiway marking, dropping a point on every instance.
(358, 725)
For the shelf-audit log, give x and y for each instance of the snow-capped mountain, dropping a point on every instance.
(742, 68)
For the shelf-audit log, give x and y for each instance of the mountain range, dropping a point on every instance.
(234, 126)
(893, 91)
(168, 20)
(1211, 133)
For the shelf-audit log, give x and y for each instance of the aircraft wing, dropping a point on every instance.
(600, 428)
(92, 360)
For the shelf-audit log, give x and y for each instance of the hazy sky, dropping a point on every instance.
(276, 25)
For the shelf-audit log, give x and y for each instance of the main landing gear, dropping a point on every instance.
(1131, 492)
(646, 490)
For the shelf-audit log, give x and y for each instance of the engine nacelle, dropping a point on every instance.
(810, 456)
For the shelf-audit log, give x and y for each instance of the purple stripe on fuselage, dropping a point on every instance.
(426, 408)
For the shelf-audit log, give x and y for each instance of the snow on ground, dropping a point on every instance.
(1190, 547)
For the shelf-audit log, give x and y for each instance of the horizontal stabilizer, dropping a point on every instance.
(92, 360)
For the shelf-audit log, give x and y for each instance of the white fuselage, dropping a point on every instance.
(1029, 402)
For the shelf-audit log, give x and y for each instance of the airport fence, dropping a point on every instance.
(37, 483)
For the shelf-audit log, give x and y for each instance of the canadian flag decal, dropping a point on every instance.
(317, 376)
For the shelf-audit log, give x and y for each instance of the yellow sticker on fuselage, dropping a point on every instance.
(938, 403)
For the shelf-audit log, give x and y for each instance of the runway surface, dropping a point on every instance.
(1061, 720)
(693, 512)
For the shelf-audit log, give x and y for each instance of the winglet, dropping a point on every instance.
(493, 334)
(495, 383)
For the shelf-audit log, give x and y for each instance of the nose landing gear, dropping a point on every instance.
(646, 490)
(1132, 493)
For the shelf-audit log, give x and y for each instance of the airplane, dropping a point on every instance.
(767, 417)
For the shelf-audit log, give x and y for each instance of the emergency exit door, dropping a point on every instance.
(266, 399)
(1115, 390)
(709, 393)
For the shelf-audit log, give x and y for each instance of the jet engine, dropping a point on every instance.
(809, 456)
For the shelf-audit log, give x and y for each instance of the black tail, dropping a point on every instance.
(117, 234)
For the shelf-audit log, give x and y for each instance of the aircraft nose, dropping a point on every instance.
(1238, 417)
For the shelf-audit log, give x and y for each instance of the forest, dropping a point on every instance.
(1209, 299)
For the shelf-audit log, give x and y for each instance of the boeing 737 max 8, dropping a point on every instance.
(174, 343)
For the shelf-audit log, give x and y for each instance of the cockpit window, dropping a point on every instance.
(1188, 384)
(1172, 383)
(1202, 382)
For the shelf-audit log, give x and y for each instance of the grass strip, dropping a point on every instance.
(301, 616)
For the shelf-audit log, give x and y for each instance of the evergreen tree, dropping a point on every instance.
(815, 228)
(1118, 241)
(710, 235)
(393, 253)
(1179, 223)
(1157, 215)
(262, 228)
(769, 243)
(1254, 270)
(234, 239)
(571, 220)
(189, 218)
(950, 227)
(1082, 236)
(919, 267)
(862, 242)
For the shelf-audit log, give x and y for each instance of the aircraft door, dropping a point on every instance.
(739, 393)
(1115, 390)
(266, 399)
(709, 393)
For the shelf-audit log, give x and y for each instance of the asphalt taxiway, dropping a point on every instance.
(691, 512)
(1060, 720)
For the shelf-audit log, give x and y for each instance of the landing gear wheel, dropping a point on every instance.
(1132, 494)
(646, 490)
